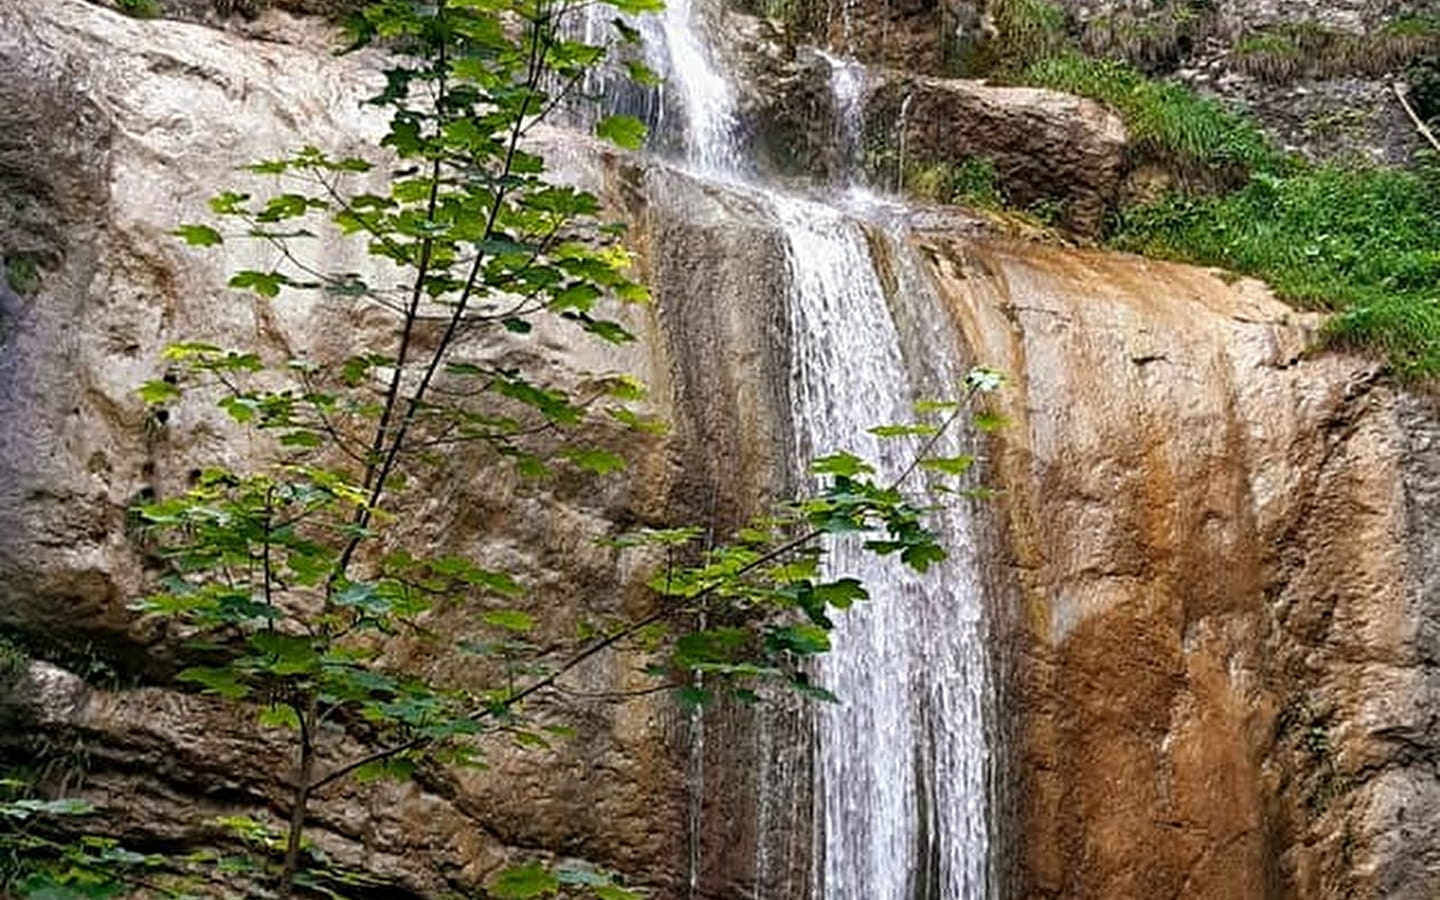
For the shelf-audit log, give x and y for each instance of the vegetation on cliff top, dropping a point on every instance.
(1353, 237)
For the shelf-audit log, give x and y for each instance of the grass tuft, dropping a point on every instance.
(1201, 137)
(1363, 242)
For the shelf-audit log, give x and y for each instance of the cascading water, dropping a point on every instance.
(691, 85)
(847, 89)
(901, 780)
(901, 765)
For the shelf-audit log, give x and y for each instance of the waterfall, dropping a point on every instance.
(847, 91)
(902, 765)
(692, 85)
(900, 771)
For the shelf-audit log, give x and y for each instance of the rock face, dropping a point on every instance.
(163, 113)
(1045, 147)
(1224, 641)
(1316, 74)
(1214, 573)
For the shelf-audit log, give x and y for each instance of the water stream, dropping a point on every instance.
(901, 763)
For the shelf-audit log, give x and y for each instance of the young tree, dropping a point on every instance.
(288, 576)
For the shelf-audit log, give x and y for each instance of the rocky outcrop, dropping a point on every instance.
(163, 114)
(1224, 647)
(1213, 565)
(1316, 74)
(1045, 147)
(819, 117)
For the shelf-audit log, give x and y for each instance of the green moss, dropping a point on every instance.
(1283, 53)
(22, 273)
(969, 181)
(1025, 30)
(139, 9)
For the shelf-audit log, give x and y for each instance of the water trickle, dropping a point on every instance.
(847, 92)
(693, 113)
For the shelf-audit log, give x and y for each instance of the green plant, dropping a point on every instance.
(22, 273)
(1165, 119)
(1424, 82)
(969, 181)
(295, 576)
(139, 9)
(1282, 53)
(1360, 241)
(1154, 40)
(1023, 31)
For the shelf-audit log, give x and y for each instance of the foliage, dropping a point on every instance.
(1154, 39)
(22, 273)
(1424, 80)
(1362, 241)
(1165, 119)
(1020, 32)
(292, 576)
(970, 181)
(1283, 52)
(139, 9)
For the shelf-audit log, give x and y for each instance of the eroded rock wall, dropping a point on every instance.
(1223, 650)
(1214, 571)
(160, 115)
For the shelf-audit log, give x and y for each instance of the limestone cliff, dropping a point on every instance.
(1224, 640)
(1212, 573)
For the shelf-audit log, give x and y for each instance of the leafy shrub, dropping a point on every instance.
(969, 181)
(139, 9)
(1282, 53)
(1154, 41)
(1424, 79)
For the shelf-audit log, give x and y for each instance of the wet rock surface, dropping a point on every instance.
(1223, 649)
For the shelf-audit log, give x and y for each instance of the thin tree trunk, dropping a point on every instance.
(304, 775)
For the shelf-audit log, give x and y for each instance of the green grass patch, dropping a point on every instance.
(1363, 242)
(969, 181)
(1283, 53)
(1201, 137)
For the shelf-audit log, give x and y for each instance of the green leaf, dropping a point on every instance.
(841, 593)
(523, 883)
(920, 556)
(302, 438)
(891, 431)
(65, 806)
(949, 465)
(158, 392)
(983, 380)
(279, 715)
(626, 132)
(990, 421)
(935, 406)
(642, 74)
(266, 284)
(845, 465)
(804, 640)
(601, 462)
(225, 682)
(510, 620)
(198, 235)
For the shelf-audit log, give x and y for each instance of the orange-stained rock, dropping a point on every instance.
(1223, 667)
